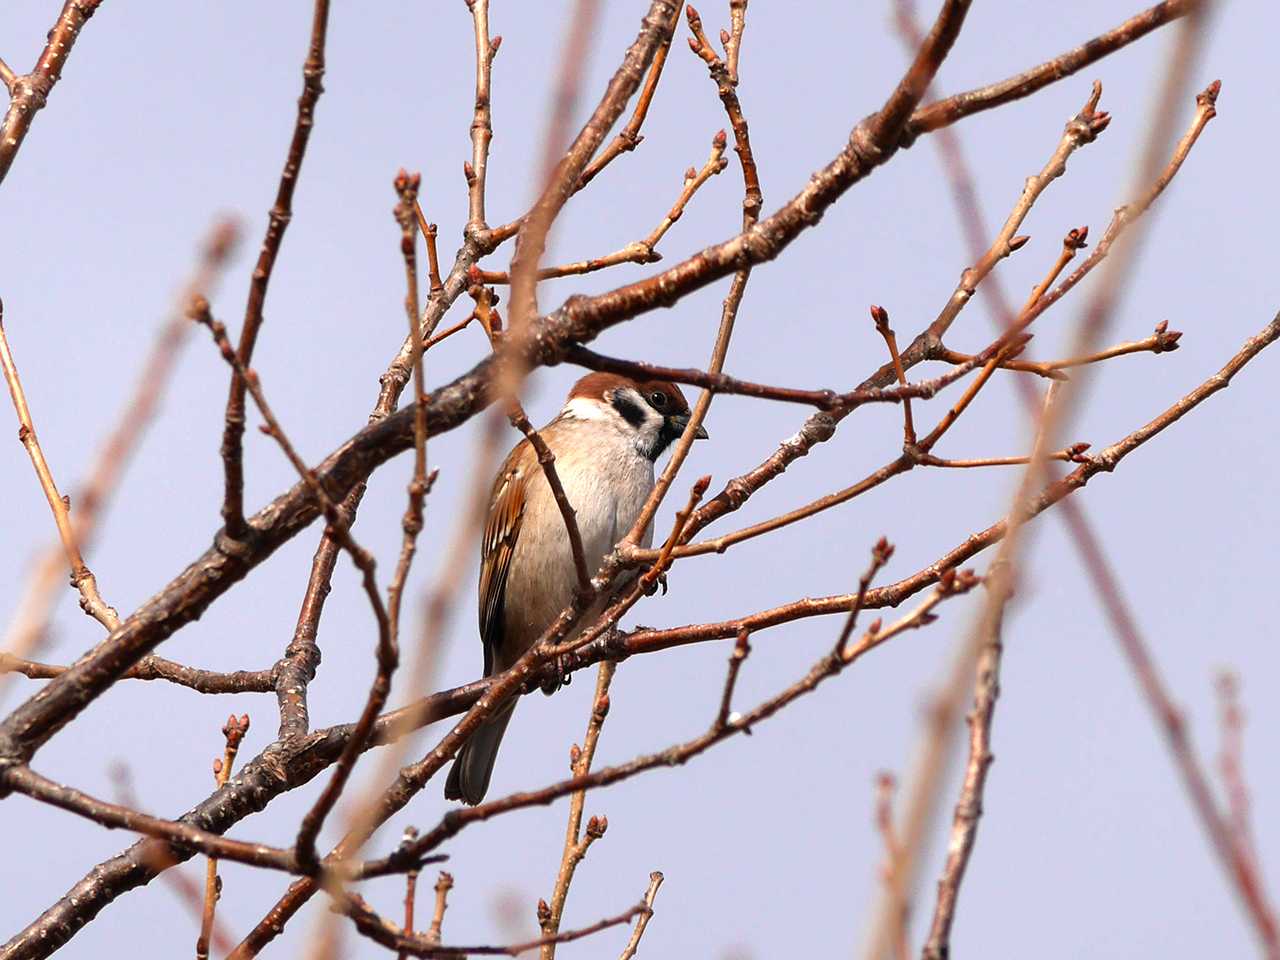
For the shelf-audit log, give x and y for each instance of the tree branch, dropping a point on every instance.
(29, 93)
(280, 215)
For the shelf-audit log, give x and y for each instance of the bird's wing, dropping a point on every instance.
(502, 527)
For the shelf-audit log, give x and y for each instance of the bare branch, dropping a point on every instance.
(158, 668)
(629, 137)
(388, 653)
(943, 113)
(828, 666)
(285, 767)
(29, 93)
(233, 732)
(482, 125)
(212, 574)
(576, 843)
(964, 829)
(639, 251)
(881, 318)
(381, 931)
(81, 577)
(35, 609)
(642, 921)
(444, 883)
(280, 215)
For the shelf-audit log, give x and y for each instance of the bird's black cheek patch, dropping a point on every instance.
(629, 410)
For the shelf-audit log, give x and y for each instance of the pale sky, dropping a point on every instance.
(1088, 845)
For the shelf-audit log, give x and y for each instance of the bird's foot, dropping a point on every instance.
(561, 677)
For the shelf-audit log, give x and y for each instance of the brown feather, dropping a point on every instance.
(502, 527)
(598, 385)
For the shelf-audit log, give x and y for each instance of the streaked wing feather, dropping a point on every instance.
(506, 509)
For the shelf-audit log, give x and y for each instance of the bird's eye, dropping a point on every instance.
(658, 399)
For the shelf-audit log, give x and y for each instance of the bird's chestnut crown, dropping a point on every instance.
(655, 410)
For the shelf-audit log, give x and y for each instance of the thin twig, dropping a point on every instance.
(157, 668)
(31, 623)
(29, 93)
(886, 783)
(1163, 340)
(657, 573)
(188, 891)
(828, 401)
(233, 732)
(482, 124)
(429, 232)
(419, 484)
(81, 577)
(410, 884)
(642, 921)
(639, 251)
(1072, 454)
(278, 220)
(881, 318)
(444, 883)
(1075, 241)
(1080, 130)
(382, 931)
(726, 81)
(741, 650)
(968, 810)
(388, 654)
(576, 842)
(880, 554)
(628, 138)
(753, 200)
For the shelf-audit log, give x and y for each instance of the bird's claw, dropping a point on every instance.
(651, 584)
(561, 676)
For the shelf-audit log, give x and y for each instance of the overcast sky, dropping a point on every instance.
(166, 119)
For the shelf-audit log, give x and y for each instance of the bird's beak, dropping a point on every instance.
(681, 420)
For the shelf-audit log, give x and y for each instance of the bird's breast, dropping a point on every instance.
(607, 482)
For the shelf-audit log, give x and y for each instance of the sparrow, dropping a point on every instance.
(605, 440)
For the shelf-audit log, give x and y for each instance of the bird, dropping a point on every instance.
(606, 440)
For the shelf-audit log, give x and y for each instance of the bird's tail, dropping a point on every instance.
(469, 776)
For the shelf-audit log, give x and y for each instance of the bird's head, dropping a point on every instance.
(654, 411)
